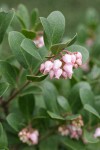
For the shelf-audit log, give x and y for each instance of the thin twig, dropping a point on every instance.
(15, 94)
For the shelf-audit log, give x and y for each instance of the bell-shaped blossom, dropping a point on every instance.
(48, 66)
(79, 62)
(58, 73)
(69, 70)
(51, 73)
(78, 55)
(67, 58)
(42, 67)
(64, 74)
(97, 132)
(39, 41)
(73, 58)
(34, 137)
(57, 64)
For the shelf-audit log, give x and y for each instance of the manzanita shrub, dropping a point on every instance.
(47, 99)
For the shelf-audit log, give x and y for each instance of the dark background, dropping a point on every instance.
(74, 10)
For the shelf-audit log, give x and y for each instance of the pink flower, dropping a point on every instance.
(79, 61)
(39, 41)
(64, 74)
(73, 58)
(34, 137)
(48, 66)
(57, 64)
(51, 73)
(97, 132)
(67, 58)
(42, 67)
(68, 69)
(78, 55)
(58, 73)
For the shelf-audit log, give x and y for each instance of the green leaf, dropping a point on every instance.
(47, 32)
(29, 34)
(3, 87)
(33, 89)
(30, 48)
(91, 110)
(89, 137)
(87, 96)
(5, 20)
(15, 121)
(72, 117)
(3, 138)
(36, 78)
(15, 40)
(74, 97)
(50, 96)
(26, 105)
(83, 50)
(57, 24)
(55, 116)
(61, 46)
(34, 16)
(23, 16)
(8, 72)
(63, 103)
(72, 144)
(54, 27)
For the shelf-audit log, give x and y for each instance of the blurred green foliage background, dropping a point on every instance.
(74, 10)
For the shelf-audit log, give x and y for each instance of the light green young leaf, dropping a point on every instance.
(5, 20)
(3, 87)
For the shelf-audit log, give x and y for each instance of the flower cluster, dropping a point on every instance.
(39, 42)
(62, 67)
(29, 136)
(72, 130)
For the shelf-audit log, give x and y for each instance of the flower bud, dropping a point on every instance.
(51, 73)
(67, 58)
(79, 62)
(78, 55)
(42, 67)
(48, 66)
(57, 64)
(73, 58)
(58, 73)
(64, 74)
(97, 132)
